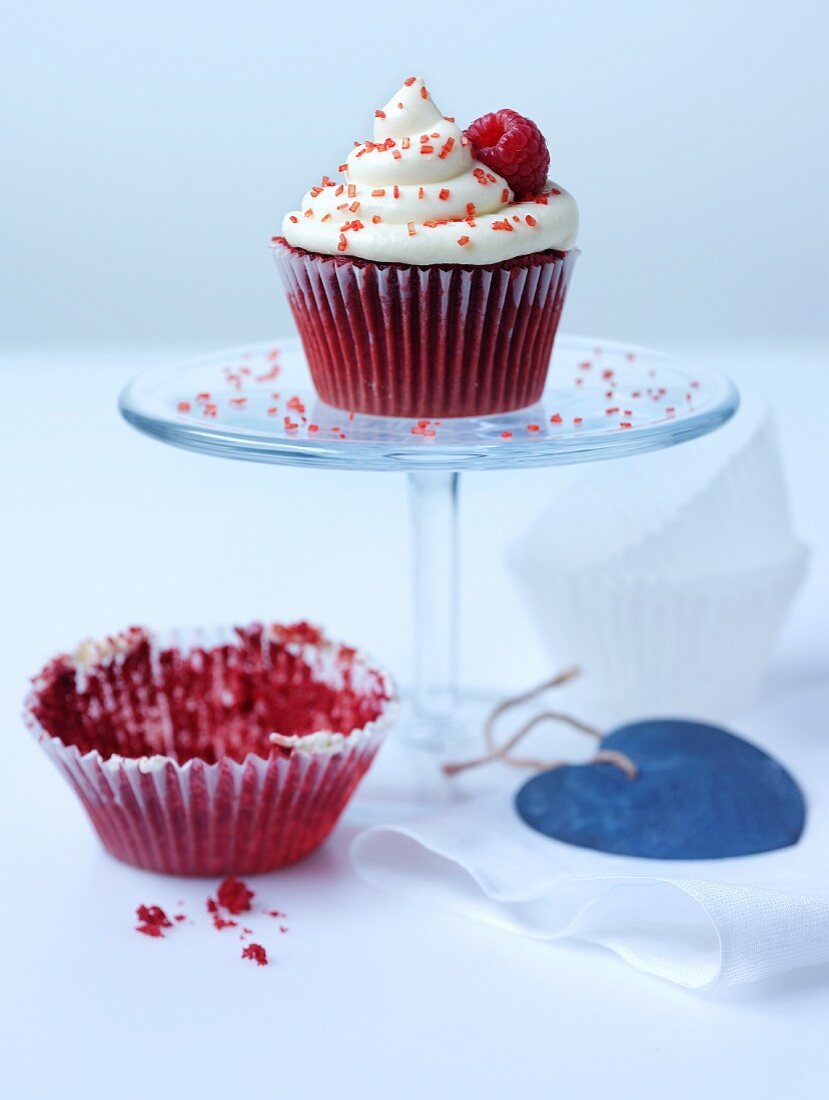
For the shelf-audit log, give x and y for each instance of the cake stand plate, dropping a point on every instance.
(603, 400)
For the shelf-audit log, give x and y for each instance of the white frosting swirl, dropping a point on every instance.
(415, 194)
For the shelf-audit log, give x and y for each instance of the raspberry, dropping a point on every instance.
(514, 147)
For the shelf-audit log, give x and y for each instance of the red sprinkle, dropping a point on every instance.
(409, 81)
(464, 240)
(184, 406)
(555, 418)
(256, 952)
(506, 435)
(379, 114)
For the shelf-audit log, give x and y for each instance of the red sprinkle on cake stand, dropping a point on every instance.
(603, 400)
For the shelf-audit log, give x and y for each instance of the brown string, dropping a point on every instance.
(502, 752)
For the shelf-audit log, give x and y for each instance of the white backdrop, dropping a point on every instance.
(149, 150)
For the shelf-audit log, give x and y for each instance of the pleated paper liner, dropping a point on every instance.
(688, 645)
(668, 576)
(703, 505)
(442, 341)
(212, 752)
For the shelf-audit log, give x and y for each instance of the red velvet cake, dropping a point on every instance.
(215, 753)
(430, 281)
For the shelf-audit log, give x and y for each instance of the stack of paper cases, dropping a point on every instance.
(667, 577)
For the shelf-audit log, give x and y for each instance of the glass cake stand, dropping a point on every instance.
(603, 400)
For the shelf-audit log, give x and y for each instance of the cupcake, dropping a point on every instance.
(222, 752)
(429, 282)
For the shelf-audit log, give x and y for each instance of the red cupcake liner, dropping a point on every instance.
(200, 754)
(391, 339)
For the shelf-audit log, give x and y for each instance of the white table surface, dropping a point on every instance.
(368, 996)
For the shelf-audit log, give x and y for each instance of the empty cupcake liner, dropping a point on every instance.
(169, 742)
(440, 341)
(668, 577)
(689, 509)
(695, 646)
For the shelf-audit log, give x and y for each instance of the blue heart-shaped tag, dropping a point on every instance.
(701, 793)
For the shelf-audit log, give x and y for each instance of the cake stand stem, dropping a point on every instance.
(433, 497)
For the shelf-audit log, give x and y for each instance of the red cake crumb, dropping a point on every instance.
(234, 895)
(153, 920)
(219, 922)
(256, 952)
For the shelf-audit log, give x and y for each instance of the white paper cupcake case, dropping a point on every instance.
(694, 646)
(668, 576)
